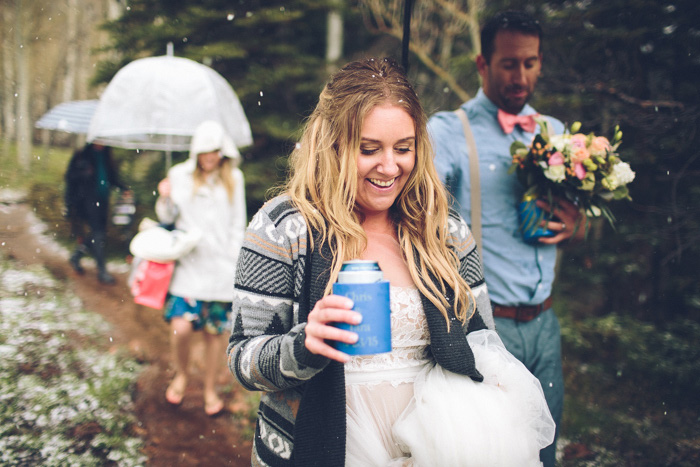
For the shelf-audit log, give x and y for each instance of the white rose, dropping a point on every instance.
(623, 173)
(556, 173)
(561, 142)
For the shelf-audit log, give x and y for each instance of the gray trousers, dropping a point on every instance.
(537, 344)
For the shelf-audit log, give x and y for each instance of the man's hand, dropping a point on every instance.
(571, 225)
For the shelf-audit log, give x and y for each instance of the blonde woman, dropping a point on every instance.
(206, 194)
(363, 185)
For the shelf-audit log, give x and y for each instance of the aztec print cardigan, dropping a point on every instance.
(301, 418)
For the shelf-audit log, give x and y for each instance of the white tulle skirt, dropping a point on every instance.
(446, 419)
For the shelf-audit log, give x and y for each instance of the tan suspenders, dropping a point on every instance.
(475, 183)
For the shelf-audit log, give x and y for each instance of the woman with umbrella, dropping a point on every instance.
(205, 193)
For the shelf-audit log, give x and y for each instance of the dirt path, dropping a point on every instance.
(173, 435)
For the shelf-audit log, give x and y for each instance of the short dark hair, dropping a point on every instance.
(511, 20)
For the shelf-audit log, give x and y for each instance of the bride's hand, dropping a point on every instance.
(331, 309)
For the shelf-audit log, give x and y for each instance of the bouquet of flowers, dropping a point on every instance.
(584, 169)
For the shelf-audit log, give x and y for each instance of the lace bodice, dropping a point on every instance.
(410, 337)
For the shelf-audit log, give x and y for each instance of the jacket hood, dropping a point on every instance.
(210, 136)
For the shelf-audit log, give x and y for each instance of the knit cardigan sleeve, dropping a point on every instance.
(266, 348)
(471, 270)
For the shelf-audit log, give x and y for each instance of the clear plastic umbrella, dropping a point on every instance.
(156, 103)
(71, 117)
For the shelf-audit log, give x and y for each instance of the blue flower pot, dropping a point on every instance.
(530, 213)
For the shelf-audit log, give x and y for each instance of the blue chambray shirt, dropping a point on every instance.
(516, 273)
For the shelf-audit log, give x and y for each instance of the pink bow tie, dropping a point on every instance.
(508, 122)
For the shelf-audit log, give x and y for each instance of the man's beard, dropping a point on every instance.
(515, 105)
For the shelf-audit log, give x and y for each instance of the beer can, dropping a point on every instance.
(360, 271)
(363, 282)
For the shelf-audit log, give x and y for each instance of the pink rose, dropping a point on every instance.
(580, 171)
(579, 153)
(556, 159)
(578, 141)
(599, 146)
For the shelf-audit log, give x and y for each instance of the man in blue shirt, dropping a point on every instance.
(519, 275)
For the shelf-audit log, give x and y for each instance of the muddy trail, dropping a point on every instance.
(182, 435)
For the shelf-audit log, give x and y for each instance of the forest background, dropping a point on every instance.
(628, 299)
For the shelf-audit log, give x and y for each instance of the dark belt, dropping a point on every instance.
(521, 313)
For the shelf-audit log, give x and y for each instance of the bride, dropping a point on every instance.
(363, 186)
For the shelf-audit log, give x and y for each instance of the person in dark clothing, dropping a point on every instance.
(90, 176)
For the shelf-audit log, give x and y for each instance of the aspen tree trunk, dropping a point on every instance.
(334, 36)
(115, 9)
(8, 78)
(72, 51)
(23, 117)
(475, 8)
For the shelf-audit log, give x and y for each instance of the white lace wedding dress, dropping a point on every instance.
(403, 410)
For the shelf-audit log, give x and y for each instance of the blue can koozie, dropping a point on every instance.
(374, 332)
(530, 217)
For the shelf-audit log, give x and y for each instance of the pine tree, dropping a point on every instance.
(272, 53)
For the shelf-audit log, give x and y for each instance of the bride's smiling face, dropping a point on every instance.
(387, 157)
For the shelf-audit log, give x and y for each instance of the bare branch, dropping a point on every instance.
(436, 26)
(602, 88)
(441, 73)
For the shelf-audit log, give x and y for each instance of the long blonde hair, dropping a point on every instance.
(323, 182)
(223, 174)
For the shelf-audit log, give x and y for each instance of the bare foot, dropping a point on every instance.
(213, 405)
(176, 390)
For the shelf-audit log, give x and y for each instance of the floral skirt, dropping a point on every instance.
(213, 317)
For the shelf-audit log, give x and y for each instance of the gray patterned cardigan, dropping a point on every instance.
(301, 418)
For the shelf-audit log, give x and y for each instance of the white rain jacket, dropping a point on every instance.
(207, 272)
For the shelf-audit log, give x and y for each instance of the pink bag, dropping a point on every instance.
(150, 283)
